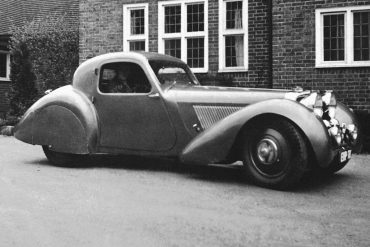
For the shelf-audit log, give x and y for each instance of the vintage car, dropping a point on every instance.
(149, 104)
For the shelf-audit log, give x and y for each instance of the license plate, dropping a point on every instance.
(345, 155)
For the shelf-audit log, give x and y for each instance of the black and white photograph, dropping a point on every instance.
(184, 123)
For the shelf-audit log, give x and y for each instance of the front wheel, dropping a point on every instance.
(61, 159)
(274, 153)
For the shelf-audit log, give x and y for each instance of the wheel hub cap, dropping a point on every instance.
(267, 152)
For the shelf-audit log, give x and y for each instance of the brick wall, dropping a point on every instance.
(4, 89)
(101, 31)
(294, 54)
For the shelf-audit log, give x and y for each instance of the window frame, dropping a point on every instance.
(184, 34)
(7, 77)
(127, 36)
(223, 32)
(348, 37)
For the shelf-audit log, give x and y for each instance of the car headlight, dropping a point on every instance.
(352, 132)
(331, 111)
(338, 139)
(351, 127)
(315, 102)
(330, 102)
(329, 98)
(318, 106)
(334, 130)
(318, 111)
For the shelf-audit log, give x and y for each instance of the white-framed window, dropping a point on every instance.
(4, 65)
(135, 27)
(233, 35)
(183, 31)
(343, 37)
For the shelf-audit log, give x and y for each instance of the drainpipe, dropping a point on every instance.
(270, 40)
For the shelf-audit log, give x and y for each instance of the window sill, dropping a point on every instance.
(4, 79)
(342, 65)
(236, 69)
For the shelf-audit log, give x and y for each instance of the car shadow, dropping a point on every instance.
(318, 182)
(233, 174)
(219, 173)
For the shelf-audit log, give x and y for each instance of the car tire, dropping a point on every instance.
(274, 153)
(61, 159)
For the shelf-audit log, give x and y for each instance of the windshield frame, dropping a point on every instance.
(156, 65)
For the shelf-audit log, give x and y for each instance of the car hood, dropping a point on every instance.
(224, 95)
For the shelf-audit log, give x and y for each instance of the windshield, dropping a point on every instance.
(172, 74)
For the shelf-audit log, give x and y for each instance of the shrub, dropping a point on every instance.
(44, 55)
(22, 88)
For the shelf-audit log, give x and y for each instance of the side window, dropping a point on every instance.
(123, 78)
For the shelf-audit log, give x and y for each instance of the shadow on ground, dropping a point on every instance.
(216, 173)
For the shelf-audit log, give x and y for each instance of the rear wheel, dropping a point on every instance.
(61, 159)
(274, 153)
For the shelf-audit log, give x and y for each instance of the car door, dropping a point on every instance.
(131, 113)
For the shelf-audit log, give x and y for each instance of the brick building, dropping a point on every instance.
(17, 12)
(256, 43)
(323, 45)
(192, 32)
(317, 44)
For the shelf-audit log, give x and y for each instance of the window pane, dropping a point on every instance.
(172, 47)
(195, 17)
(123, 78)
(361, 39)
(196, 53)
(234, 51)
(137, 21)
(172, 19)
(137, 45)
(234, 15)
(3, 65)
(334, 37)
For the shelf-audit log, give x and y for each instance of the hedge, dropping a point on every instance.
(44, 55)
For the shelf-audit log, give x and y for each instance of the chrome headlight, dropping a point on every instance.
(352, 132)
(329, 98)
(315, 102)
(310, 100)
(330, 102)
(318, 106)
(334, 130)
(331, 111)
(338, 139)
(351, 127)
(318, 111)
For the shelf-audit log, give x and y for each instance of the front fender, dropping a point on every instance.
(215, 143)
(64, 119)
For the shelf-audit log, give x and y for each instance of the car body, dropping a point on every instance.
(278, 134)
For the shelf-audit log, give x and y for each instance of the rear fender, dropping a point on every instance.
(65, 119)
(215, 143)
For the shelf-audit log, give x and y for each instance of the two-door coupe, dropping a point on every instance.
(150, 104)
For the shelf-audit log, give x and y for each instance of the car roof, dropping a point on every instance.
(85, 73)
(139, 55)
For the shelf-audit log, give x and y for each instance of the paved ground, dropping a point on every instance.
(158, 204)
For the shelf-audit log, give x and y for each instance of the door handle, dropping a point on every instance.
(153, 95)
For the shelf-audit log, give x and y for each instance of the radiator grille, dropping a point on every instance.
(209, 115)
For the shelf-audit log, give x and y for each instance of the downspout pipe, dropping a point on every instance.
(270, 40)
